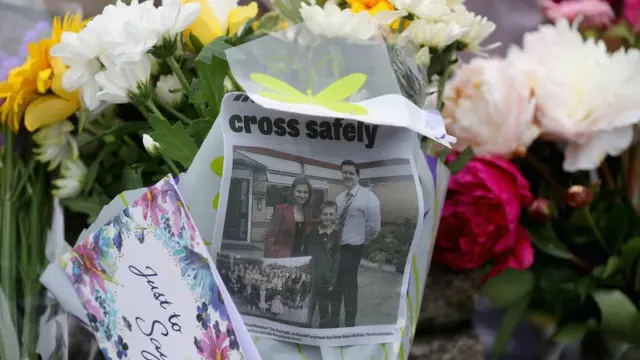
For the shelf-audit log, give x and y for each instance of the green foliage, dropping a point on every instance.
(176, 142)
(290, 10)
(392, 247)
(619, 316)
(508, 287)
(621, 30)
(212, 67)
(199, 129)
(461, 160)
(509, 322)
(88, 205)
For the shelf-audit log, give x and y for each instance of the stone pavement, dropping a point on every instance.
(378, 297)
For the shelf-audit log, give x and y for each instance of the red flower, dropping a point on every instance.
(480, 219)
(631, 13)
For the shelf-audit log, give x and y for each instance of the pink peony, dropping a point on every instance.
(596, 13)
(481, 215)
(489, 105)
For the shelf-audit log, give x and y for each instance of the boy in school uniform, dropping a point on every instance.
(323, 245)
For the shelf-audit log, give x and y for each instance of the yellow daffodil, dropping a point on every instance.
(218, 18)
(33, 91)
(374, 7)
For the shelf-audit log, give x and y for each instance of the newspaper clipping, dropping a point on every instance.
(319, 219)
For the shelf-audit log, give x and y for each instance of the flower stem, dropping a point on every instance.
(173, 64)
(173, 111)
(175, 67)
(608, 178)
(7, 257)
(154, 109)
(172, 165)
(442, 82)
(36, 221)
(592, 223)
(235, 82)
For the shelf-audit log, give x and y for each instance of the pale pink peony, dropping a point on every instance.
(585, 96)
(595, 13)
(489, 105)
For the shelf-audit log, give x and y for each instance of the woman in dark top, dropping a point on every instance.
(290, 222)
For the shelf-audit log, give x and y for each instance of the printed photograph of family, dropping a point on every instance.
(315, 241)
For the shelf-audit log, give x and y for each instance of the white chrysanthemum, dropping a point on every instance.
(73, 174)
(120, 35)
(134, 29)
(330, 21)
(585, 95)
(55, 143)
(423, 9)
(120, 83)
(476, 28)
(433, 34)
(169, 89)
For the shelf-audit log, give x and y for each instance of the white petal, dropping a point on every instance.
(188, 14)
(589, 155)
(387, 17)
(89, 95)
(75, 77)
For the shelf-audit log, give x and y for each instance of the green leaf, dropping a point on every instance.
(617, 311)
(509, 322)
(629, 254)
(199, 129)
(176, 142)
(212, 68)
(196, 43)
(571, 332)
(9, 345)
(215, 49)
(132, 178)
(613, 266)
(290, 9)
(129, 153)
(461, 160)
(621, 30)
(616, 226)
(270, 22)
(508, 287)
(546, 241)
(585, 286)
(89, 205)
(92, 171)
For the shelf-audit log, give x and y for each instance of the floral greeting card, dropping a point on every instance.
(146, 282)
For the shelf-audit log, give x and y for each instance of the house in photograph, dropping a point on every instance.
(261, 179)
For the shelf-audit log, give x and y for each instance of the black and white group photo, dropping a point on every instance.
(269, 289)
(318, 242)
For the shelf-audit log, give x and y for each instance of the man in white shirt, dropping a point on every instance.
(359, 223)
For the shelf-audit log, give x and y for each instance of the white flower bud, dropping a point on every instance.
(169, 89)
(150, 145)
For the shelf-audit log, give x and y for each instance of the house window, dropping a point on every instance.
(236, 223)
(277, 194)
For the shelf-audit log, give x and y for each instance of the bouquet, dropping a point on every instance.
(115, 102)
(549, 204)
